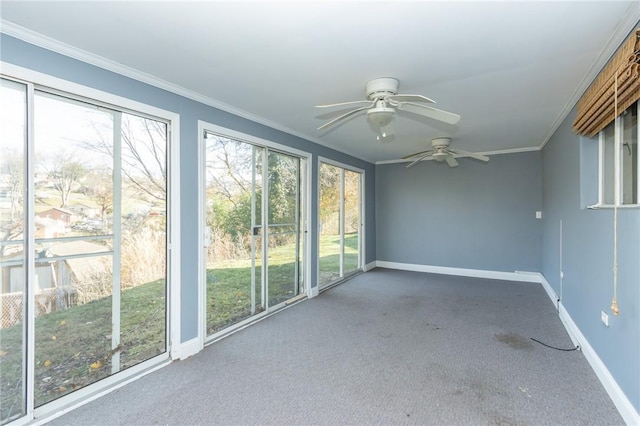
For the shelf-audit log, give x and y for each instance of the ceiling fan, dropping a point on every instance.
(382, 102)
(442, 152)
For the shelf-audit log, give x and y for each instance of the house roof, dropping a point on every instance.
(65, 211)
(87, 268)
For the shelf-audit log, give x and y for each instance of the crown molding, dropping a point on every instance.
(43, 41)
(620, 32)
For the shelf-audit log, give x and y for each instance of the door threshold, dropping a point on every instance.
(295, 299)
(340, 281)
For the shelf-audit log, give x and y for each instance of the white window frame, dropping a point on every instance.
(617, 168)
(89, 393)
(197, 344)
(361, 201)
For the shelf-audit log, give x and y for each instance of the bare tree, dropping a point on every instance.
(228, 170)
(144, 161)
(65, 171)
(97, 187)
(8, 232)
(11, 170)
(103, 197)
(143, 154)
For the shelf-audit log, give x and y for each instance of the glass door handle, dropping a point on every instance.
(207, 237)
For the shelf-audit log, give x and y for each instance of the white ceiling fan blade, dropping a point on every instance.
(452, 162)
(417, 154)
(409, 98)
(462, 153)
(424, 157)
(346, 103)
(427, 111)
(342, 117)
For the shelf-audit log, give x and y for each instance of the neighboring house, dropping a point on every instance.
(58, 280)
(5, 198)
(12, 284)
(42, 180)
(49, 228)
(80, 270)
(53, 222)
(62, 215)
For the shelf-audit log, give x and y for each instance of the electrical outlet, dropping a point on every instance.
(538, 215)
(604, 318)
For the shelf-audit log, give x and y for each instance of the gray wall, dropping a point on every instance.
(477, 216)
(570, 179)
(45, 61)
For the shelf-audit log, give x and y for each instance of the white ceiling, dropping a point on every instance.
(511, 69)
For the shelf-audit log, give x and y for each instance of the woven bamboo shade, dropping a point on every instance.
(619, 81)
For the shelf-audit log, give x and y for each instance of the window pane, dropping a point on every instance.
(351, 221)
(329, 216)
(282, 226)
(339, 217)
(629, 156)
(73, 145)
(100, 216)
(608, 170)
(143, 218)
(12, 261)
(233, 173)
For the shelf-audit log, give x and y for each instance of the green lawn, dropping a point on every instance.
(229, 287)
(329, 261)
(229, 284)
(73, 347)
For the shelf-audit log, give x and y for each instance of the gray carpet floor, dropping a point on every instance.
(386, 347)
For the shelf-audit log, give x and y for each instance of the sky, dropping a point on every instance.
(62, 126)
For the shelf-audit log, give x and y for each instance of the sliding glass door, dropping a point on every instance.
(340, 220)
(83, 253)
(253, 210)
(13, 323)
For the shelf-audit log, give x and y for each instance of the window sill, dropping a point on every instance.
(611, 206)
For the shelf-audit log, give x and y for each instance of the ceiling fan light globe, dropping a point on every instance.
(380, 116)
(440, 156)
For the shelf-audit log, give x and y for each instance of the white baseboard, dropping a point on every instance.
(548, 289)
(462, 272)
(622, 403)
(369, 266)
(188, 348)
(314, 292)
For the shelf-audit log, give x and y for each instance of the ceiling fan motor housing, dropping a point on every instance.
(440, 142)
(440, 148)
(380, 87)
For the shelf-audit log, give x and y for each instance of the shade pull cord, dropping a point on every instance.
(614, 302)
